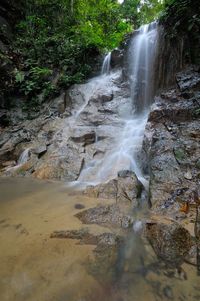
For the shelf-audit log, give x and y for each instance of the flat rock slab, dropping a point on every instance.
(85, 237)
(110, 216)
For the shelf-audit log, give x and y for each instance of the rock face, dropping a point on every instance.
(63, 142)
(171, 147)
(117, 57)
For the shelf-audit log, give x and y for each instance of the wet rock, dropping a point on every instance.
(110, 215)
(87, 138)
(9, 163)
(66, 142)
(117, 56)
(104, 191)
(4, 119)
(171, 149)
(180, 155)
(188, 175)
(187, 94)
(188, 79)
(171, 243)
(105, 266)
(85, 237)
(79, 206)
(167, 291)
(129, 187)
(198, 164)
(191, 258)
(126, 187)
(40, 150)
(170, 95)
(102, 98)
(60, 168)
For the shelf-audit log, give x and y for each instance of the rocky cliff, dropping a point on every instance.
(171, 144)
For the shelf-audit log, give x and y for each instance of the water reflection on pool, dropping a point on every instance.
(35, 267)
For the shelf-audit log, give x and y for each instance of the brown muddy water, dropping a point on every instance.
(35, 267)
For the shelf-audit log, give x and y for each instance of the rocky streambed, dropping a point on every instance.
(148, 245)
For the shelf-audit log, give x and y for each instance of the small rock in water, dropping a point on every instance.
(167, 291)
(188, 175)
(79, 206)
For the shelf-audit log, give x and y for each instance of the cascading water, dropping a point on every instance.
(127, 128)
(24, 156)
(142, 53)
(106, 64)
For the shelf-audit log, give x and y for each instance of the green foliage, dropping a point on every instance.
(181, 18)
(130, 10)
(19, 76)
(64, 36)
(141, 12)
(150, 10)
(181, 15)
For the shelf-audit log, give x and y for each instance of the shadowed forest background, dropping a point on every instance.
(46, 46)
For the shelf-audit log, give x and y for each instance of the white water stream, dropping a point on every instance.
(121, 131)
(106, 64)
(142, 53)
(132, 114)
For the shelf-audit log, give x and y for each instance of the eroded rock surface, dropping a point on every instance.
(110, 216)
(171, 145)
(125, 187)
(67, 134)
(171, 243)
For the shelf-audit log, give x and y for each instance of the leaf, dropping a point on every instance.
(19, 76)
(185, 208)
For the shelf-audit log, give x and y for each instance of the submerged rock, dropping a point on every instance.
(171, 243)
(111, 215)
(85, 237)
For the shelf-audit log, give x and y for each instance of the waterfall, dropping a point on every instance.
(24, 157)
(126, 127)
(106, 64)
(141, 60)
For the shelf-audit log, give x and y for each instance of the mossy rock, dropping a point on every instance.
(180, 155)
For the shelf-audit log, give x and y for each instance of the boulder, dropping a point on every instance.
(126, 187)
(171, 242)
(40, 150)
